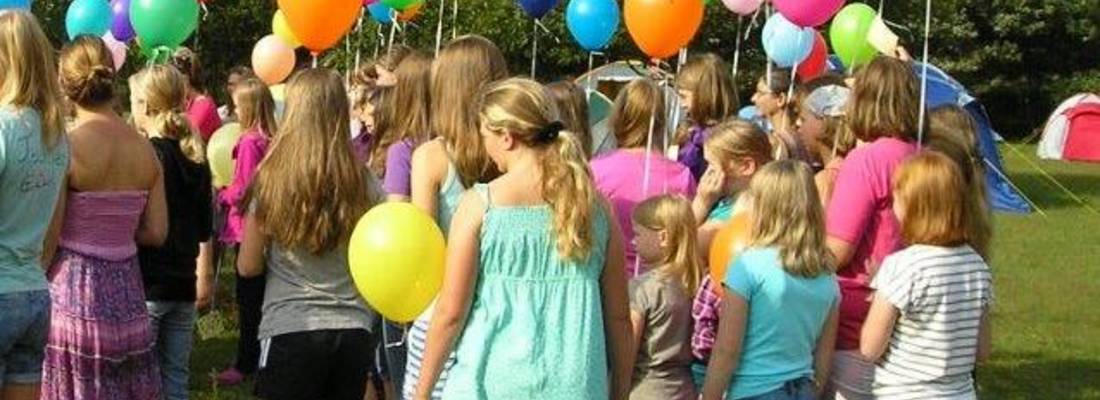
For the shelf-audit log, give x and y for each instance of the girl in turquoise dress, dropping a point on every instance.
(534, 299)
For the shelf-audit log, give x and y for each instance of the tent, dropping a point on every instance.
(1059, 142)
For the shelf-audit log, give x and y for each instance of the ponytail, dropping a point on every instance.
(567, 187)
(174, 125)
(164, 90)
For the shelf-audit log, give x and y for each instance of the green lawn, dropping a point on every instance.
(1047, 277)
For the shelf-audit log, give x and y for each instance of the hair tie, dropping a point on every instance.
(549, 133)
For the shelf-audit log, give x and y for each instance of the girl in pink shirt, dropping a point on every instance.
(202, 112)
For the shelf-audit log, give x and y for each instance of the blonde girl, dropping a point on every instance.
(660, 299)
(932, 299)
(773, 100)
(952, 131)
(779, 309)
(316, 332)
(535, 245)
(32, 132)
(707, 93)
(402, 126)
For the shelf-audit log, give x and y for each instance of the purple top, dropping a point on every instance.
(360, 145)
(691, 152)
(102, 224)
(249, 151)
(398, 179)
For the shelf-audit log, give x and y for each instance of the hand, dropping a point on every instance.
(711, 186)
(902, 54)
(204, 292)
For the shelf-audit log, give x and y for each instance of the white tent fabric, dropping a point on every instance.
(1053, 139)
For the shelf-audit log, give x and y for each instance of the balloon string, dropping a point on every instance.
(588, 75)
(439, 25)
(205, 11)
(737, 48)
(924, 73)
(378, 43)
(393, 29)
(454, 19)
(314, 60)
(534, 47)
(359, 43)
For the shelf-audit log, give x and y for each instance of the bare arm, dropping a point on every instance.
(398, 198)
(877, 329)
(616, 311)
(250, 261)
(985, 337)
(707, 193)
(842, 250)
(204, 271)
(153, 229)
(53, 232)
(726, 356)
(823, 354)
(425, 180)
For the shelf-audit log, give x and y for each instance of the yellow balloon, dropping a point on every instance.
(281, 28)
(219, 153)
(396, 258)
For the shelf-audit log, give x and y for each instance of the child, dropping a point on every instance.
(201, 110)
(779, 309)
(179, 275)
(882, 112)
(932, 299)
(821, 126)
(316, 330)
(638, 118)
(660, 299)
(772, 101)
(403, 126)
(236, 75)
(533, 258)
(706, 90)
(573, 107)
(32, 132)
(952, 131)
(365, 97)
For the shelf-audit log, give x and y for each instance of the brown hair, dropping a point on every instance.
(29, 73)
(573, 108)
(87, 72)
(735, 139)
(778, 82)
(714, 98)
(787, 214)
(257, 107)
(460, 70)
(885, 101)
(187, 62)
(953, 132)
(523, 109)
(404, 113)
(672, 214)
(164, 91)
(930, 190)
(310, 190)
(638, 104)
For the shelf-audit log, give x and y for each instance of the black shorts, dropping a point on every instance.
(321, 365)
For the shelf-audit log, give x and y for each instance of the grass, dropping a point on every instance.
(1046, 273)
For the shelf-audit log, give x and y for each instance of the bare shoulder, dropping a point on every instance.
(430, 158)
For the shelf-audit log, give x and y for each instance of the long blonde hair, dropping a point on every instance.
(885, 101)
(638, 104)
(404, 114)
(460, 70)
(255, 106)
(787, 214)
(164, 90)
(672, 214)
(310, 190)
(30, 73)
(523, 109)
(735, 139)
(953, 132)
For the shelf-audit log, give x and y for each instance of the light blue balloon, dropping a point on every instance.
(593, 23)
(88, 17)
(19, 4)
(785, 43)
(380, 13)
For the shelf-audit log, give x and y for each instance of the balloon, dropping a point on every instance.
(411, 12)
(88, 17)
(319, 24)
(396, 258)
(18, 4)
(369, 2)
(814, 65)
(536, 8)
(163, 23)
(661, 28)
(808, 13)
(219, 151)
(729, 241)
(272, 59)
(593, 23)
(400, 4)
(742, 7)
(882, 38)
(785, 43)
(280, 28)
(380, 13)
(848, 35)
(120, 21)
(117, 48)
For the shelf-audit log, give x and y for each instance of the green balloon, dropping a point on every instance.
(848, 34)
(400, 5)
(163, 23)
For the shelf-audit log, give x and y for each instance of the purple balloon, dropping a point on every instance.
(121, 28)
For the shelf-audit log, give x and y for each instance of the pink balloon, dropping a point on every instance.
(742, 7)
(808, 13)
(272, 60)
(369, 2)
(117, 48)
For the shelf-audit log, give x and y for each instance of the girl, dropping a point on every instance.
(931, 306)
(573, 107)
(403, 125)
(35, 156)
(821, 126)
(772, 101)
(101, 339)
(316, 329)
(621, 174)
(952, 131)
(660, 300)
(201, 110)
(445, 167)
(779, 309)
(237, 74)
(533, 246)
(707, 92)
(179, 275)
(882, 112)
(365, 97)
(256, 112)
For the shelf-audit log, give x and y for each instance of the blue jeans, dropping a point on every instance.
(24, 326)
(173, 326)
(795, 389)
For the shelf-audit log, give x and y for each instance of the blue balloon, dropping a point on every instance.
(380, 13)
(593, 23)
(88, 17)
(20, 4)
(785, 43)
(537, 8)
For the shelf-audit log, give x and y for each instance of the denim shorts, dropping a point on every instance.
(795, 389)
(24, 326)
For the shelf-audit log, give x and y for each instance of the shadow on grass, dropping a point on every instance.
(1049, 196)
(1033, 376)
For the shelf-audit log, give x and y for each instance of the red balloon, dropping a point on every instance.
(814, 65)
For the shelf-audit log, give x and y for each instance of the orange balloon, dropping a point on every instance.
(319, 24)
(661, 27)
(410, 13)
(272, 59)
(729, 241)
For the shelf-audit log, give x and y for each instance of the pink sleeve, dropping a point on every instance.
(852, 206)
(203, 115)
(249, 154)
